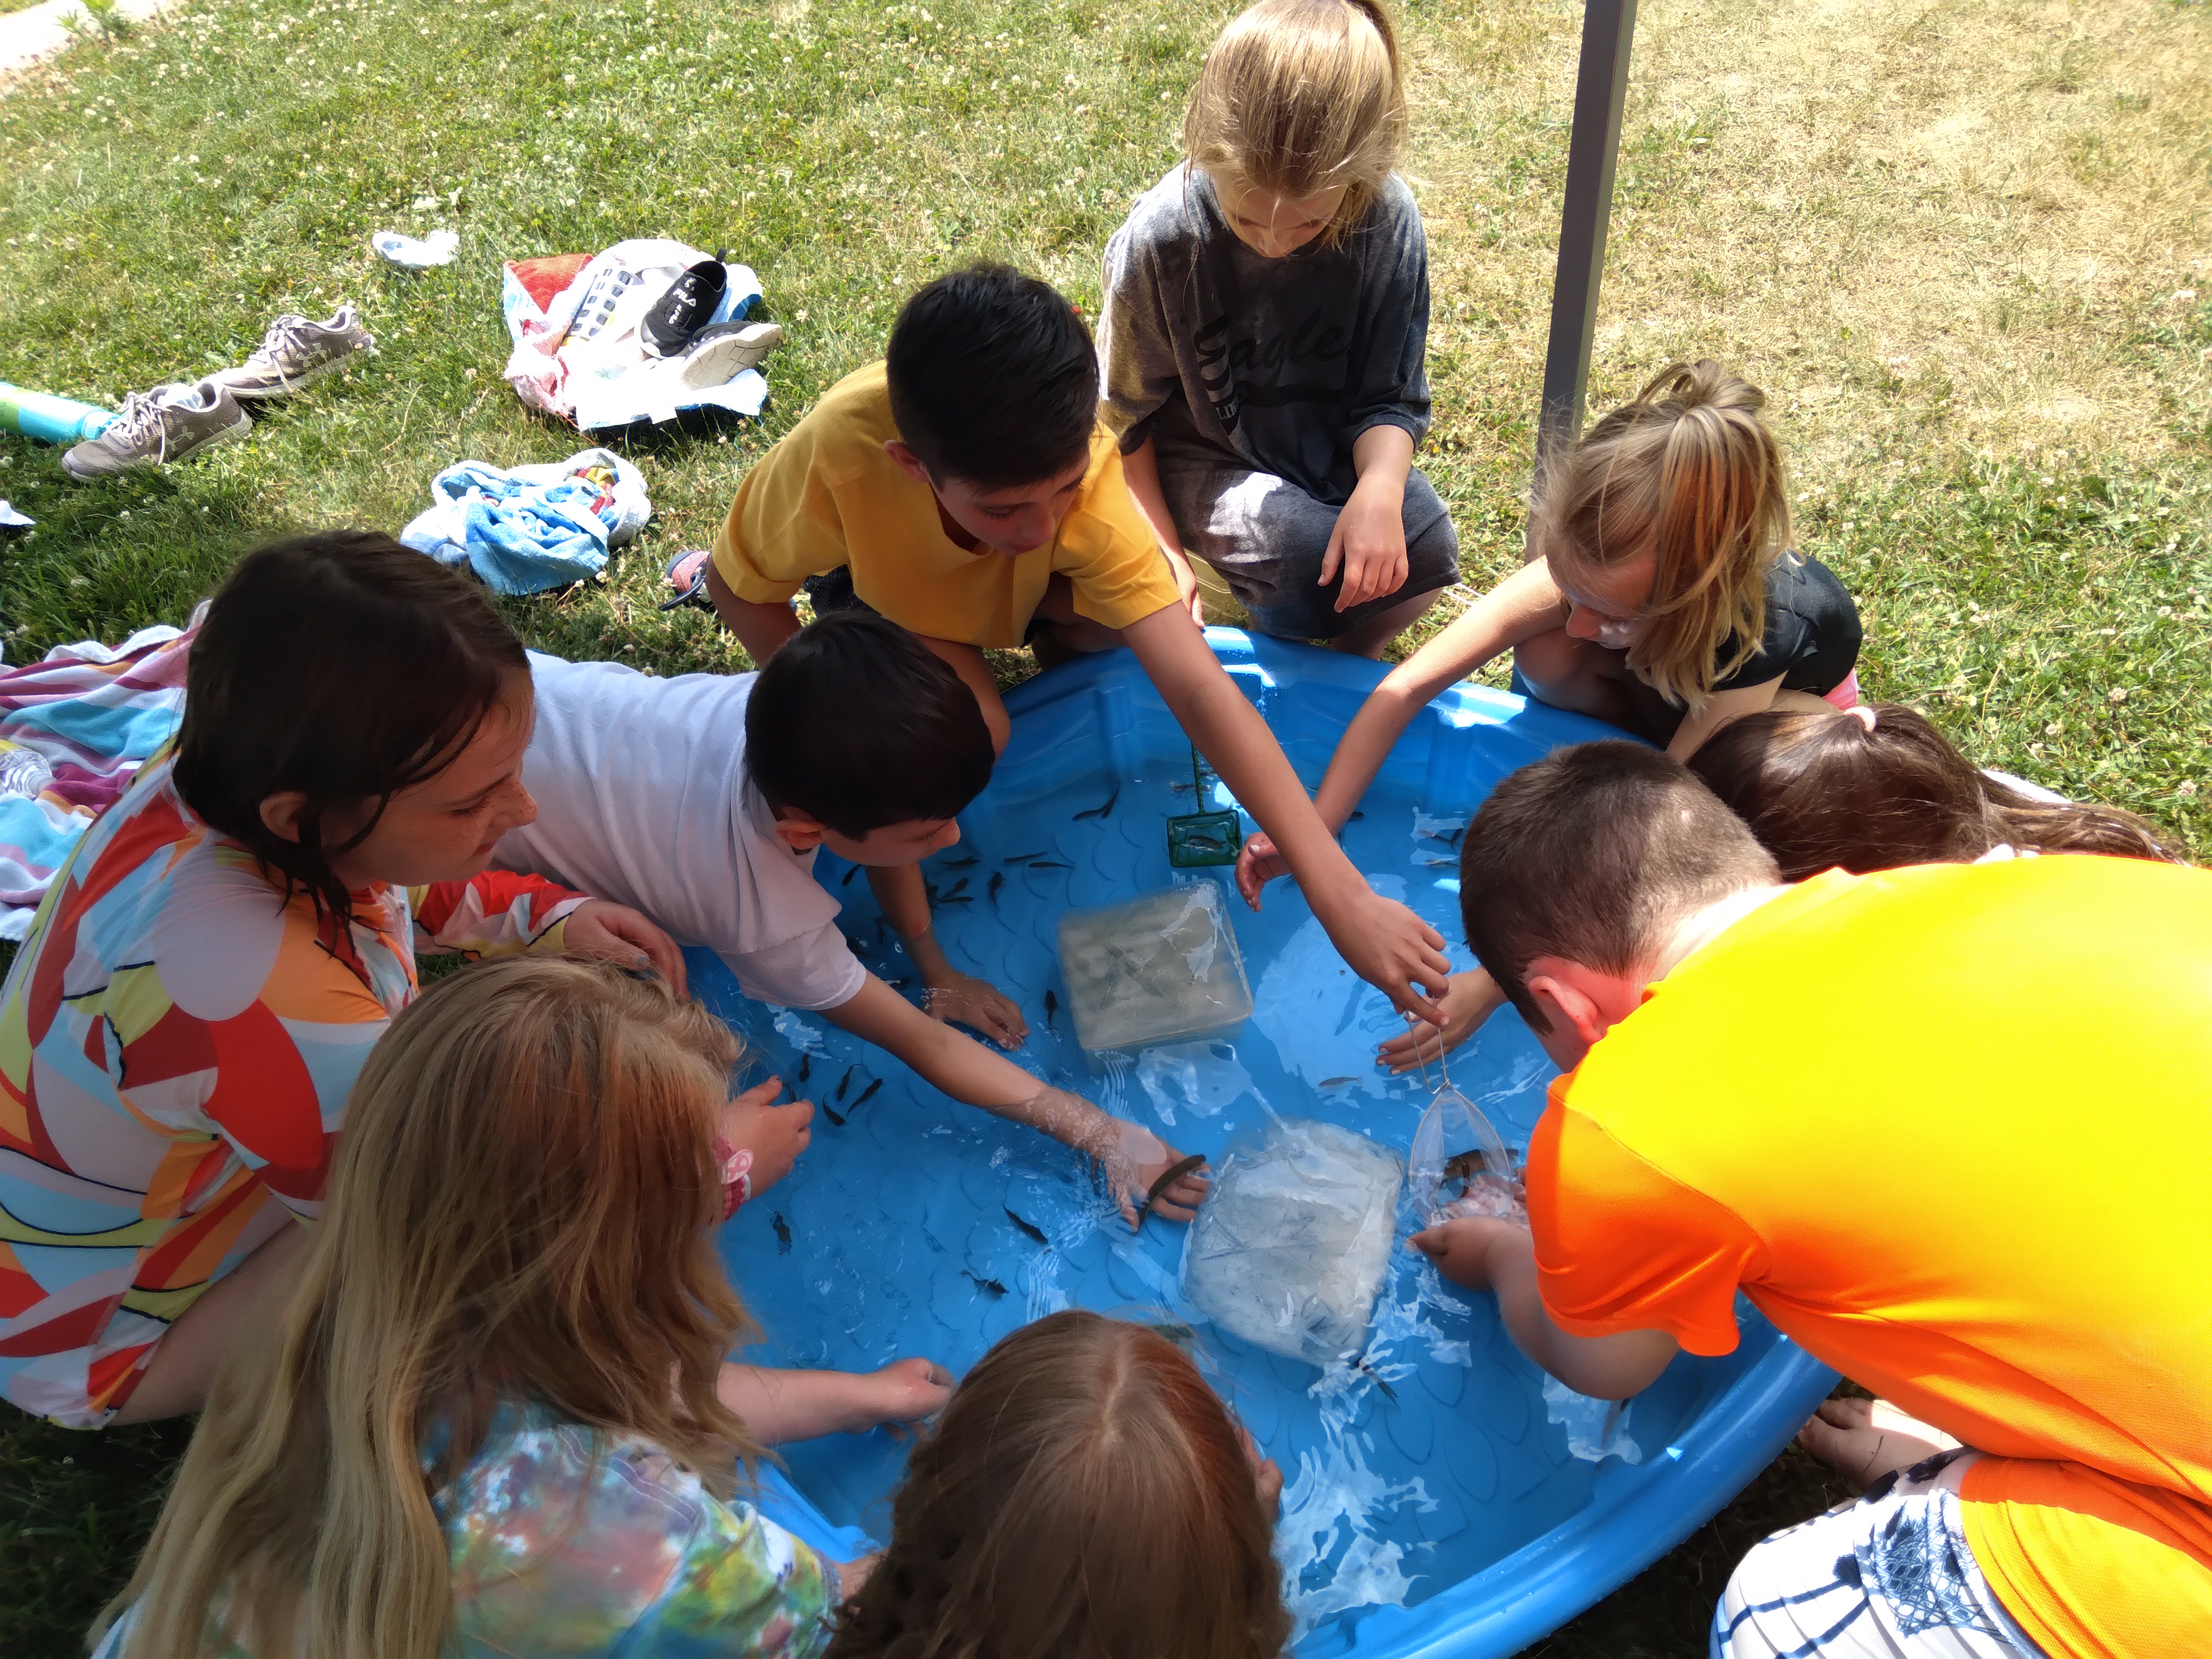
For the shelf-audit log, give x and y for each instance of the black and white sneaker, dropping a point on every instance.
(683, 310)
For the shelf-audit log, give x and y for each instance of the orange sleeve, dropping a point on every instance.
(1620, 1246)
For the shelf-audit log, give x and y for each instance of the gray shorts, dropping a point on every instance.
(1267, 537)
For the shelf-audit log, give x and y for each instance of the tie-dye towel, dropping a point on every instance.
(96, 714)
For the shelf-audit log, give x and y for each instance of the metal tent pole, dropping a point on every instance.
(1600, 87)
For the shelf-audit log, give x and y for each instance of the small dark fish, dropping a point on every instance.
(1029, 1227)
(929, 890)
(957, 887)
(862, 1098)
(1051, 1007)
(806, 1065)
(782, 1233)
(1465, 1166)
(1050, 864)
(998, 881)
(851, 871)
(1457, 836)
(1355, 817)
(956, 898)
(834, 1117)
(1104, 811)
(990, 1287)
(1366, 1370)
(845, 1081)
(1332, 1082)
(1169, 1176)
(1433, 863)
(956, 864)
(1024, 857)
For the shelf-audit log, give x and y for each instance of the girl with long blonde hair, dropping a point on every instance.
(495, 1416)
(1265, 330)
(1662, 597)
(1085, 1496)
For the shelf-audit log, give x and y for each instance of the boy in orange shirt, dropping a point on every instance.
(965, 489)
(1967, 1167)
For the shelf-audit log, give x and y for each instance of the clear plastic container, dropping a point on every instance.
(1159, 968)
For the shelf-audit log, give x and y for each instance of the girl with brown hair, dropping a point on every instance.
(1085, 1496)
(494, 1416)
(1876, 787)
(1265, 334)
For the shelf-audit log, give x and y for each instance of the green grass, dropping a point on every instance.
(1990, 357)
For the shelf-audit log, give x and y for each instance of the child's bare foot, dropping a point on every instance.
(1862, 1440)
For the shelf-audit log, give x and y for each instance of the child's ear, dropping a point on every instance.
(908, 462)
(801, 834)
(1567, 999)
(280, 813)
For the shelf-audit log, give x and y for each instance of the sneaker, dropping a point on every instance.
(718, 354)
(169, 423)
(683, 310)
(296, 351)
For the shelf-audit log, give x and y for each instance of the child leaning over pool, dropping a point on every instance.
(704, 799)
(966, 489)
(493, 1415)
(1266, 322)
(1664, 599)
(1085, 1494)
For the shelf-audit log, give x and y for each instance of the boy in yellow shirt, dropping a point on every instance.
(969, 493)
(1948, 1127)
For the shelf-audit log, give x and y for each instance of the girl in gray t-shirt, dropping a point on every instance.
(1265, 321)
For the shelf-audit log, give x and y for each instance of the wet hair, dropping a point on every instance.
(859, 725)
(1593, 855)
(1687, 474)
(342, 665)
(993, 379)
(1084, 1496)
(1299, 95)
(1822, 792)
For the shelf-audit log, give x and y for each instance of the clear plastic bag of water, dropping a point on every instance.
(1460, 1165)
(1160, 967)
(1291, 1247)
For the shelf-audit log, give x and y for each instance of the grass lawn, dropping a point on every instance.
(1965, 247)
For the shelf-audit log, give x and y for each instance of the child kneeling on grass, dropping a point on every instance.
(494, 1416)
(1664, 600)
(1265, 333)
(203, 982)
(1977, 1187)
(1083, 1495)
(968, 493)
(704, 799)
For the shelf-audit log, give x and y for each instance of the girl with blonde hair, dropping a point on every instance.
(1265, 332)
(1085, 1496)
(1662, 598)
(494, 1416)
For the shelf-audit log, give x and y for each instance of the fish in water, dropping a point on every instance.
(782, 1233)
(1366, 1370)
(957, 887)
(990, 1287)
(851, 871)
(1024, 857)
(865, 1093)
(956, 864)
(1051, 1007)
(832, 1114)
(1433, 863)
(1336, 1082)
(845, 1081)
(956, 898)
(1029, 1227)
(998, 881)
(1049, 864)
(806, 1066)
(1105, 811)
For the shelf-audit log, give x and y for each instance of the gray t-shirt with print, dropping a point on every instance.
(1278, 363)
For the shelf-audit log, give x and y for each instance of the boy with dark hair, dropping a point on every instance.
(1983, 1198)
(705, 798)
(966, 490)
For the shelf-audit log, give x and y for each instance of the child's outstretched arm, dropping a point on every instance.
(947, 993)
(966, 1070)
(1526, 603)
(1384, 943)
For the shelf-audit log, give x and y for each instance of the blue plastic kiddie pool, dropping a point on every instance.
(1432, 1506)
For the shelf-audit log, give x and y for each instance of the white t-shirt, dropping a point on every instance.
(643, 799)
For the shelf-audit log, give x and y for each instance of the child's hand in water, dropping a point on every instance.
(776, 1135)
(1460, 1248)
(904, 1391)
(1470, 999)
(957, 998)
(1257, 865)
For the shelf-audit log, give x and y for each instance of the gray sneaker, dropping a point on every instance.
(296, 351)
(168, 423)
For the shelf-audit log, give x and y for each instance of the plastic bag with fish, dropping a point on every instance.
(1460, 1166)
